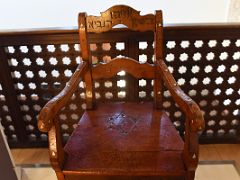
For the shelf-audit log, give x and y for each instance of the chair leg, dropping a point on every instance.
(60, 175)
(190, 175)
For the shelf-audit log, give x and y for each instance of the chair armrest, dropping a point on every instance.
(185, 103)
(49, 111)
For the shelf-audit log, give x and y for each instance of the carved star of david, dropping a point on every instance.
(122, 123)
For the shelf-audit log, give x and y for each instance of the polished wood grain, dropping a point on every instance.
(185, 103)
(69, 36)
(49, 111)
(194, 119)
(85, 54)
(120, 14)
(123, 139)
(47, 121)
(56, 153)
(158, 56)
(128, 65)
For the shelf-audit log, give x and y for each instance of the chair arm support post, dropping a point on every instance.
(194, 117)
(191, 148)
(52, 107)
(56, 153)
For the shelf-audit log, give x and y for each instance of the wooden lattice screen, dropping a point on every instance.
(204, 59)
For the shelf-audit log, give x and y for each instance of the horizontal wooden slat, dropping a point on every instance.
(129, 65)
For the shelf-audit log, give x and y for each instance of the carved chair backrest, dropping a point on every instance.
(124, 15)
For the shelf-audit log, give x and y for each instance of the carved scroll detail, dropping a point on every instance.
(120, 14)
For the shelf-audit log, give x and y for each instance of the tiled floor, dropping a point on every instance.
(43, 173)
(204, 172)
(220, 152)
(212, 166)
(217, 172)
(211, 152)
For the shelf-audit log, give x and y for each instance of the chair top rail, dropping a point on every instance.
(74, 29)
(120, 14)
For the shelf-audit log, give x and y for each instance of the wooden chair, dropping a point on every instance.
(123, 140)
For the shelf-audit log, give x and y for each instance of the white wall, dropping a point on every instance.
(15, 14)
(234, 11)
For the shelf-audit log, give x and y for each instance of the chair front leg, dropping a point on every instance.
(56, 153)
(191, 150)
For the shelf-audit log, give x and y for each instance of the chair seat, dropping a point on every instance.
(124, 139)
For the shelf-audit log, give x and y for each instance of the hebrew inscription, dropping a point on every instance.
(120, 15)
(99, 24)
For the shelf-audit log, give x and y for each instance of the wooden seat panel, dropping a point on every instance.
(124, 139)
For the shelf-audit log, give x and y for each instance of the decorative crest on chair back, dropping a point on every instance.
(109, 19)
(120, 14)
